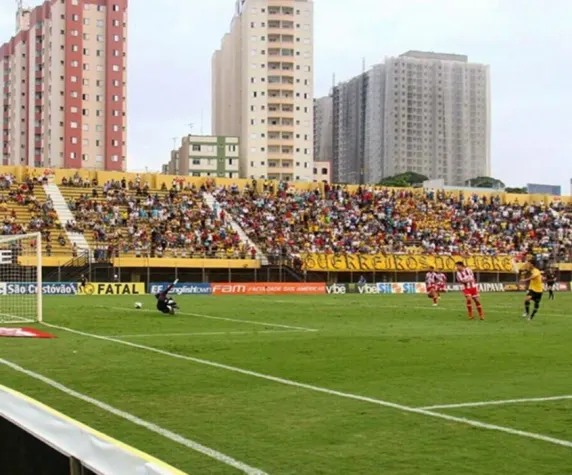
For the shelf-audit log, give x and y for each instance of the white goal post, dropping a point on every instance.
(21, 278)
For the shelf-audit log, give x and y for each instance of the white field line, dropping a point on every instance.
(288, 382)
(497, 403)
(255, 332)
(210, 317)
(220, 457)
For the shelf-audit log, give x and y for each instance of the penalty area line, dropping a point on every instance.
(498, 403)
(236, 320)
(218, 456)
(254, 332)
(331, 392)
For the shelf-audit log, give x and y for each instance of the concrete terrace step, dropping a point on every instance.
(212, 203)
(65, 215)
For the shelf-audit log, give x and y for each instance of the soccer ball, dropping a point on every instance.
(138, 305)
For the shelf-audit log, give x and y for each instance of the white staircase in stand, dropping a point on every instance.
(65, 215)
(211, 201)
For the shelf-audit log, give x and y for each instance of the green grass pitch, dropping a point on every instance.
(393, 348)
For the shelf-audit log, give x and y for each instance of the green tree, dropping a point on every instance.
(406, 179)
(518, 191)
(485, 182)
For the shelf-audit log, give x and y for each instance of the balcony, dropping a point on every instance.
(280, 127)
(280, 99)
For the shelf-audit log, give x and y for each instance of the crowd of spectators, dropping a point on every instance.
(371, 221)
(128, 218)
(40, 216)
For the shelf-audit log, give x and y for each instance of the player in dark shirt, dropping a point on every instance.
(83, 281)
(550, 276)
(166, 304)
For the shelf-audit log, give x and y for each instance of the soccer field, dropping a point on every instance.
(354, 384)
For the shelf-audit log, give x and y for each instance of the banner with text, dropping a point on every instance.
(112, 288)
(31, 288)
(403, 263)
(181, 289)
(558, 287)
(269, 288)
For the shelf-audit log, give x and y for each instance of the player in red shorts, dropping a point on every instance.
(431, 284)
(466, 277)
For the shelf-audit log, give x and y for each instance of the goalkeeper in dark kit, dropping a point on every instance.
(166, 304)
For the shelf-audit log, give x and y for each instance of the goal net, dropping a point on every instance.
(20, 278)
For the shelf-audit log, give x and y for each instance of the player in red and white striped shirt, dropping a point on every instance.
(441, 283)
(431, 284)
(466, 277)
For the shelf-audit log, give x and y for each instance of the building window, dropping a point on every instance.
(85, 112)
(85, 157)
(73, 125)
(196, 147)
(73, 110)
(116, 38)
(114, 158)
(73, 140)
(100, 23)
(115, 68)
(196, 161)
(72, 155)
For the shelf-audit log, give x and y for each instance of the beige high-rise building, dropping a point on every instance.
(262, 88)
(63, 82)
(421, 112)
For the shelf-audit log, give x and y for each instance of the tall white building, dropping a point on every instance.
(437, 117)
(262, 88)
(323, 128)
(427, 113)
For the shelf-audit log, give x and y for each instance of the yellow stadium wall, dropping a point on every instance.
(158, 262)
(156, 180)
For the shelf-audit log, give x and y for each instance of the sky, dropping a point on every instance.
(527, 43)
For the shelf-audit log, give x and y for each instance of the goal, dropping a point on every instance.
(21, 278)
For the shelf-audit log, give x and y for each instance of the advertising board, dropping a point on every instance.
(181, 289)
(30, 288)
(269, 288)
(112, 288)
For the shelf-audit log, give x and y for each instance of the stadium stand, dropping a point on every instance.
(129, 218)
(367, 221)
(25, 208)
(160, 216)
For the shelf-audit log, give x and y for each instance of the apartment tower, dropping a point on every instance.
(63, 80)
(262, 88)
(427, 113)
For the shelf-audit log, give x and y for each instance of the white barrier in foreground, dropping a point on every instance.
(96, 451)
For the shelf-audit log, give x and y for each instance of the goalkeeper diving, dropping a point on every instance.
(166, 304)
